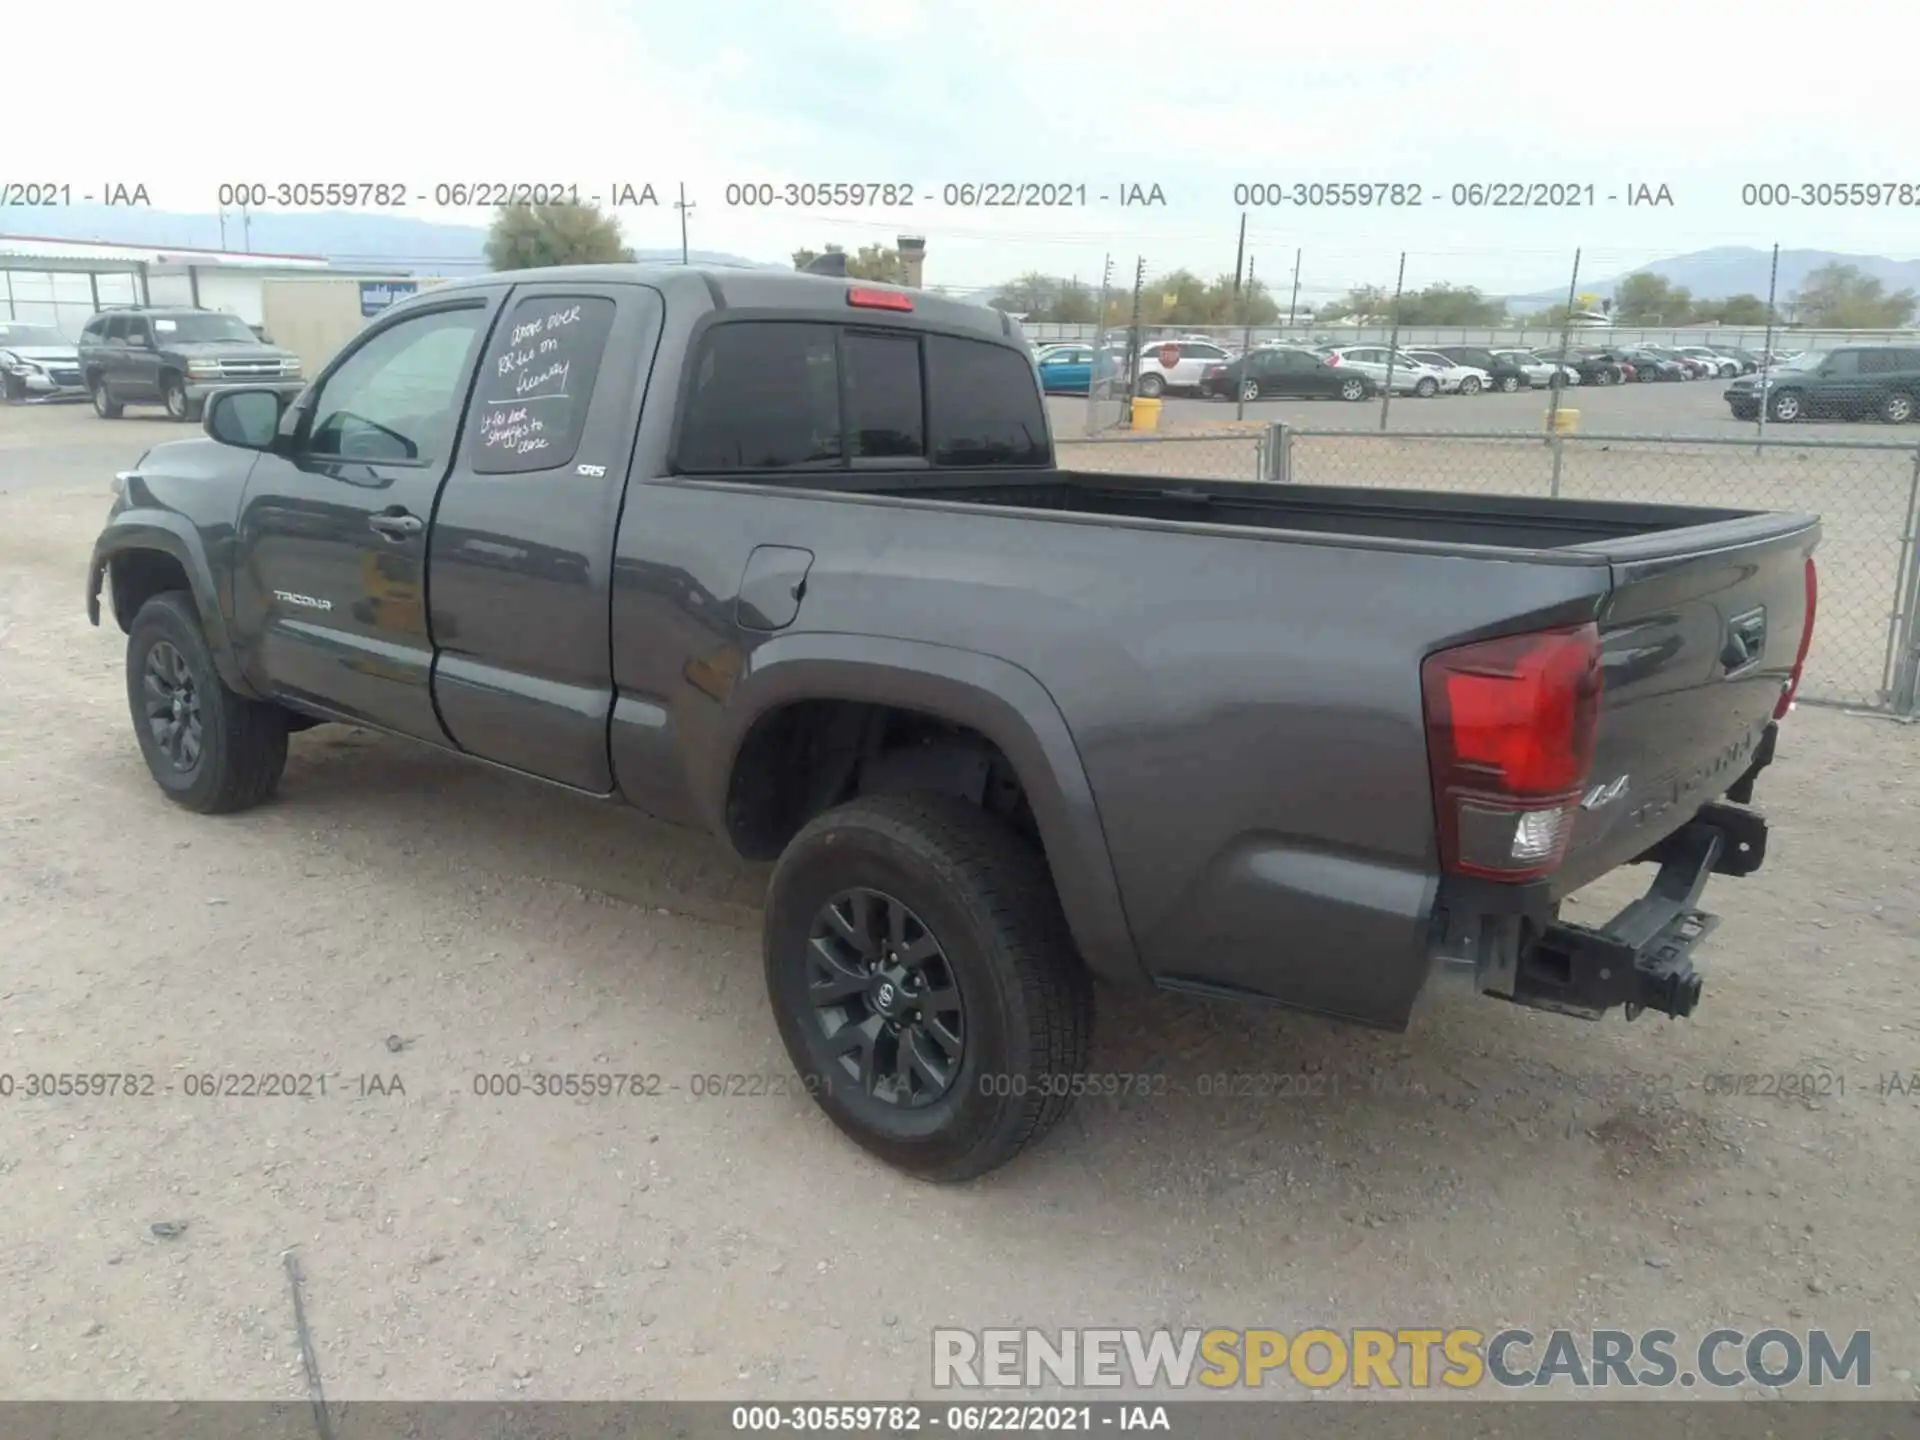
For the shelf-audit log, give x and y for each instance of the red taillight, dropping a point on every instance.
(1215, 370)
(1806, 643)
(879, 299)
(1333, 359)
(1510, 733)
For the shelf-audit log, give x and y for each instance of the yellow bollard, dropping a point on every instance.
(1566, 422)
(1146, 414)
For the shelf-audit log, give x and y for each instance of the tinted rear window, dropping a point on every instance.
(985, 405)
(771, 395)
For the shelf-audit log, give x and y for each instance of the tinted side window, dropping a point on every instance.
(397, 397)
(766, 396)
(880, 383)
(531, 402)
(117, 329)
(95, 331)
(985, 405)
(137, 331)
(1842, 362)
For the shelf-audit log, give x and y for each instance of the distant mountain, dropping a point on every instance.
(1739, 270)
(398, 243)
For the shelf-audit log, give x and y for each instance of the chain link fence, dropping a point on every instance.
(1866, 650)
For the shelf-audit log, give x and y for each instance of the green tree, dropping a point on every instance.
(870, 262)
(525, 237)
(1444, 304)
(1645, 299)
(1734, 310)
(1843, 297)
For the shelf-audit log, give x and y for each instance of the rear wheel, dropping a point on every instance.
(104, 405)
(925, 983)
(1249, 389)
(1426, 387)
(206, 747)
(1897, 409)
(1152, 386)
(1509, 384)
(1353, 388)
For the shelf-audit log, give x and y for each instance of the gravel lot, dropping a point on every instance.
(397, 914)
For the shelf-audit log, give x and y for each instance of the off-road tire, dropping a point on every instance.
(243, 745)
(984, 894)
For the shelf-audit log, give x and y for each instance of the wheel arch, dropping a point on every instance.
(147, 552)
(976, 694)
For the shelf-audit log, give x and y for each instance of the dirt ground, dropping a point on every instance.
(398, 914)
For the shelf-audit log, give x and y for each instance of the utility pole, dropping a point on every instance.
(223, 229)
(683, 207)
(1294, 303)
(1240, 254)
(246, 229)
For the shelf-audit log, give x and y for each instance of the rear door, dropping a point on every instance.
(520, 574)
(1700, 634)
(330, 603)
(138, 378)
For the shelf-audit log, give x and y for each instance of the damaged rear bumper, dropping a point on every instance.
(1511, 943)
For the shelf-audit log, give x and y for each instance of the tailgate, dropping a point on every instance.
(1700, 635)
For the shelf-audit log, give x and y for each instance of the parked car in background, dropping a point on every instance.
(1539, 370)
(1691, 366)
(1272, 371)
(37, 362)
(1502, 374)
(1596, 366)
(1176, 365)
(1854, 382)
(1748, 360)
(1456, 376)
(176, 358)
(1724, 366)
(1067, 369)
(1406, 375)
(1647, 367)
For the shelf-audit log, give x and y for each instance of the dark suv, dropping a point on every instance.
(1850, 383)
(176, 358)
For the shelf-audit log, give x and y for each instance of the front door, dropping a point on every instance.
(330, 603)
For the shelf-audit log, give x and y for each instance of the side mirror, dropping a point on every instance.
(248, 419)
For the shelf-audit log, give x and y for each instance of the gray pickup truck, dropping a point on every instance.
(788, 557)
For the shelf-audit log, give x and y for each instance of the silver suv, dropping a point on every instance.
(1409, 376)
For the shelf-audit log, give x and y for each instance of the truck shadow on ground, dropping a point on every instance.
(1191, 1100)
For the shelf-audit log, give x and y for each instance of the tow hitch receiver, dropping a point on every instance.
(1643, 958)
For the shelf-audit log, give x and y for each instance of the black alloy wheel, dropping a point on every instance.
(171, 704)
(885, 999)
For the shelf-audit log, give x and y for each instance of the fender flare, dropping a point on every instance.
(170, 534)
(1000, 700)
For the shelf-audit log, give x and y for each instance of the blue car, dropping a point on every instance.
(1067, 369)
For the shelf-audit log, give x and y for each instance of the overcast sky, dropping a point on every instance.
(1701, 97)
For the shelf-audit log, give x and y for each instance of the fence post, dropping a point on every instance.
(1906, 608)
(1277, 453)
(1555, 441)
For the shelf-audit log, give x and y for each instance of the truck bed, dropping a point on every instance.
(1424, 517)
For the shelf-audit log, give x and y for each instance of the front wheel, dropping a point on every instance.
(1786, 407)
(173, 393)
(104, 405)
(925, 983)
(1470, 385)
(14, 388)
(207, 748)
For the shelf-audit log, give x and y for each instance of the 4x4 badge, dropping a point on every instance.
(1604, 794)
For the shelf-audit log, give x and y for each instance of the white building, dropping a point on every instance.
(62, 282)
